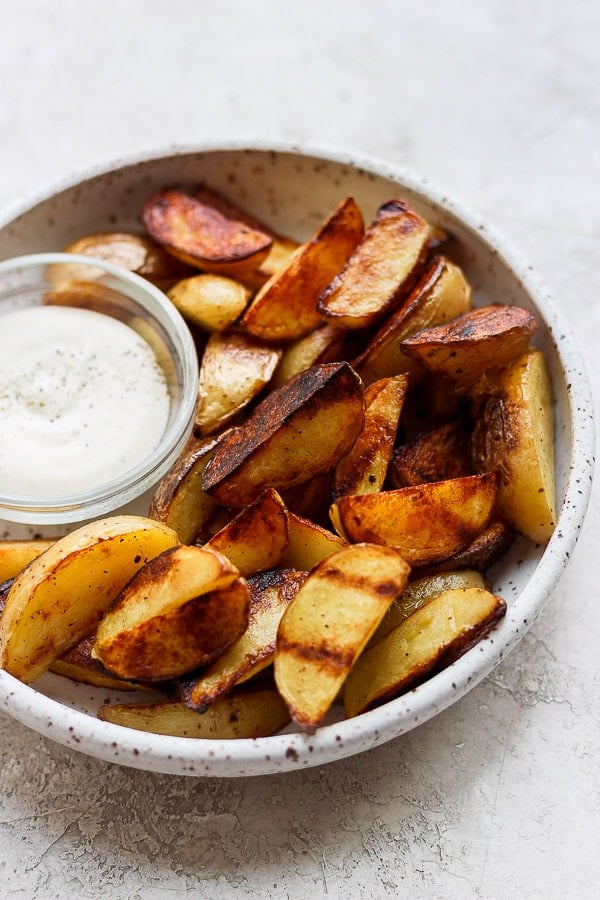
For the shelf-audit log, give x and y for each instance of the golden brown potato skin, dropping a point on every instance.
(297, 432)
(434, 456)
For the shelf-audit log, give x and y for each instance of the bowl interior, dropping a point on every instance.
(293, 192)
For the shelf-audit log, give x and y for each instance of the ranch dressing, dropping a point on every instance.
(82, 400)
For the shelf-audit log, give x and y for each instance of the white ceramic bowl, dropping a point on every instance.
(293, 191)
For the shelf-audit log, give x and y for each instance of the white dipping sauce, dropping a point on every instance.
(82, 400)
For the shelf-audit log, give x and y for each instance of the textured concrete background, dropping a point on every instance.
(498, 102)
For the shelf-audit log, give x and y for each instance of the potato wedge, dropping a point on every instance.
(425, 523)
(270, 595)
(285, 309)
(308, 544)
(441, 294)
(78, 665)
(420, 591)
(323, 345)
(364, 468)
(128, 251)
(381, 270)
(514, 434)
(328, 624)
(15, 555)
(179, 500)
(483, 551)
(311, 499)
(297, 432)
(481, 339)
(247, 714)
(256, 538)
(60, 596)
(212, 302)
(427, 641)
(180, 611)
(235, 368)
(200, 235)
(437, 455)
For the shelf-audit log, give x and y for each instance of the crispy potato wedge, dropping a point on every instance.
(483, 551)
(129, 251)
(428, 640)
(202, 236)
(297, 432)
(270, 595)
(179, 500)
(437, 455)
(257, 537)
(15, 555)
(481, 339)
(364, 468)
(60, 596)
(441, 294)
(327, 625)
(514, 434)
(212, 302)
(323, 345)
(285, 309)
(420, 591)
(78, 665)
(235, 368)
(180, 611)
(424, 523)
(245, 714)
(381, 270)
(308, 544)
(311, 499)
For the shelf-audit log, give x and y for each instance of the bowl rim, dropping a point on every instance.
(69, 508)
(285, 752)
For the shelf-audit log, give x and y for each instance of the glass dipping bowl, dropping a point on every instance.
(27, 281)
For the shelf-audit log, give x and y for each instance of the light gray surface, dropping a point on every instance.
(499, 796)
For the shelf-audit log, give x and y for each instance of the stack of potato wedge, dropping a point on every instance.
(367, 444)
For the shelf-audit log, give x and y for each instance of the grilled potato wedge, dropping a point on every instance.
(428, 640)
(297, 432)
(514, 434)
(308, 543)
(381, 270)
(257, 537)
(60, 596)
(323, 345)
(180, 611)
(480, 554)
(128, 251)
(235, 368)
(179, 500)
(441, 294)
(481, 339)
(420, 591)
(424, 523)
(327, 625)
(364, 468)
(247, 714)
(285, 309)
(437, 455)
(270, 595)
(78, 665)
(212, 302)
(15, 555)
(198, 234)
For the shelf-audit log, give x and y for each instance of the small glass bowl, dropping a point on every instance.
(94, 284)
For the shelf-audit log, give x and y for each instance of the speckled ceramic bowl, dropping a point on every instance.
(293, 191)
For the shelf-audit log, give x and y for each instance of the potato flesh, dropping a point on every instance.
(515, 436)
(297, 432)
(322, 345)
(381, 269)
(432, 636)
(270, 595)
(424, 523)
(252, 714)
(235, 368)
(308, 543)
(331, 619)
(15, 555)
(257, 537)
(61, 596)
